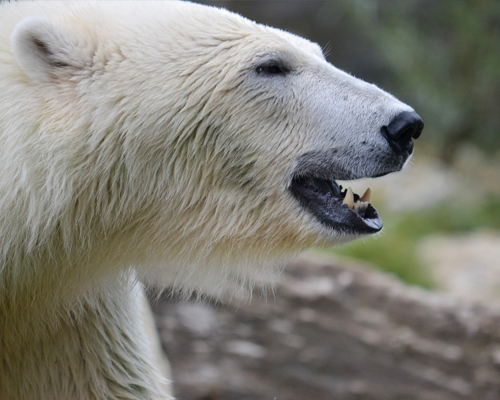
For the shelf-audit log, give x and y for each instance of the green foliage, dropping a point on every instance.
(392, 251)
(395, 249)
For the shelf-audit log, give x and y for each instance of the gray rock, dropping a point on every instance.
(333, 332)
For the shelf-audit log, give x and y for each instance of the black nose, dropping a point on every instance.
(401, 130)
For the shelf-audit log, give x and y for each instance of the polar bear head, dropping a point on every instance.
(195, 144)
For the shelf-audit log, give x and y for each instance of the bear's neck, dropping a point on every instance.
(96, 350)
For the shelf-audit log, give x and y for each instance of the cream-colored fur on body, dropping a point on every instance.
(137, 142)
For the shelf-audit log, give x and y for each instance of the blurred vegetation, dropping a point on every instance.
(395, 250)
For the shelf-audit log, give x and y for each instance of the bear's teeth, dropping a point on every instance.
(366, 196)
(349, 199)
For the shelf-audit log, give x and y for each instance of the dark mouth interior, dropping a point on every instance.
(335, 206)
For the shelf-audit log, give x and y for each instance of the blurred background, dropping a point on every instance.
(336, 328)
(441, 215)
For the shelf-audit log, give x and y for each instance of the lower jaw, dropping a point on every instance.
(342, 211)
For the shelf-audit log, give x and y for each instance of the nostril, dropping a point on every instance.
(418, 130)
(402, 129)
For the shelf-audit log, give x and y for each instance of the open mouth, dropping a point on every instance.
(335, 207)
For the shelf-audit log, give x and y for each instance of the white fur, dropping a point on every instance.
(137, 139)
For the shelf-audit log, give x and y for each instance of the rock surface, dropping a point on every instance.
(465, 264)
(333, 332)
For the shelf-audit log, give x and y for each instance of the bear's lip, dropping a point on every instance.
(336, 208)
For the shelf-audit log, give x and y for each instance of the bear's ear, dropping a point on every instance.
(43, 50)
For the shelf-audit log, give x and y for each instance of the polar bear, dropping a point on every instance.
(167, 142)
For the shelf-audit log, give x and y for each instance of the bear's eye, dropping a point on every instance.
(272, 68)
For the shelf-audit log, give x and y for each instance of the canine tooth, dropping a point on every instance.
(349, 198)
(366, 195)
